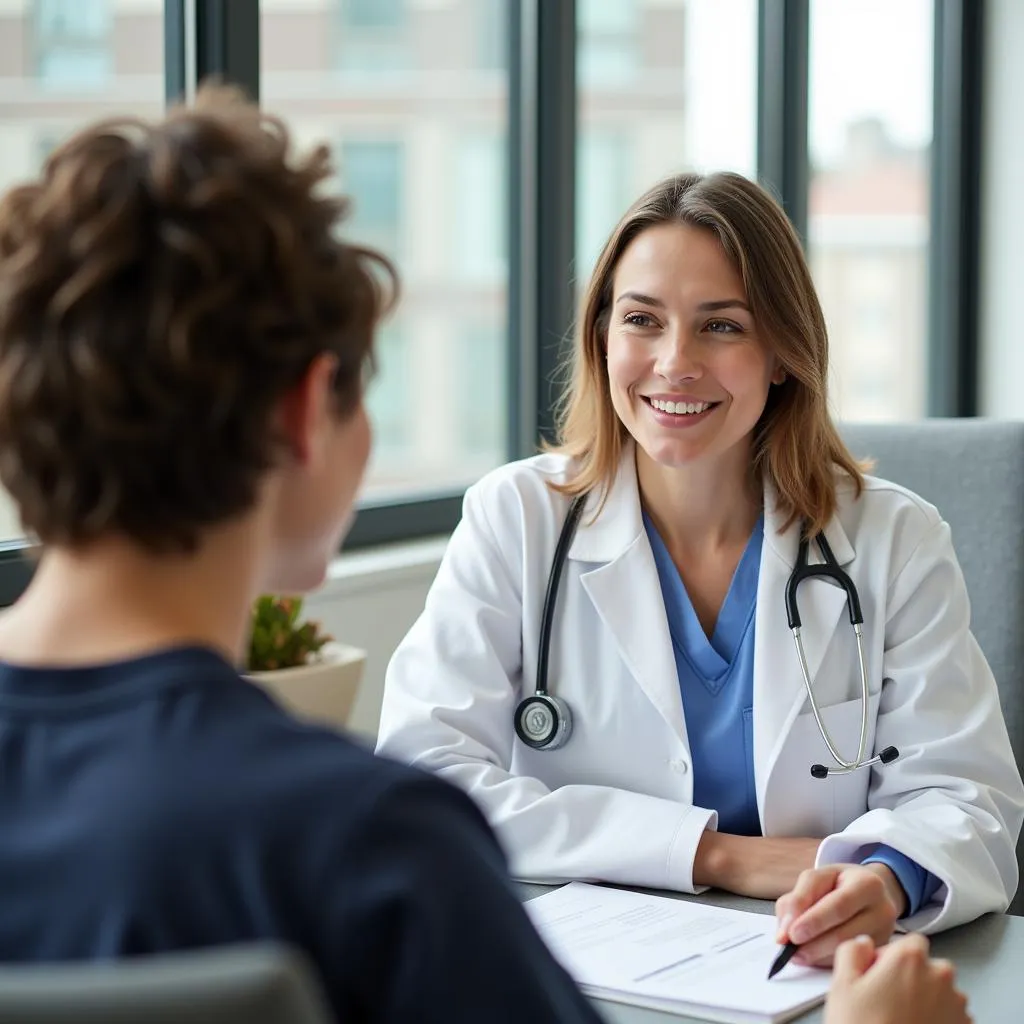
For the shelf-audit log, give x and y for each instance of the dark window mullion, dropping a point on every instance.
(782, 104)
(955, 232)
(412, 518)
(542, 147)
(174, 51)
(228, 42)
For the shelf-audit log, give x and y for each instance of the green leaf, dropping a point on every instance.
(278, 639)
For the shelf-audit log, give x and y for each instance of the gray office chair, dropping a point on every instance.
(261, 983)
(973, 472)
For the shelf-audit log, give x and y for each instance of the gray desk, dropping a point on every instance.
(989, 957)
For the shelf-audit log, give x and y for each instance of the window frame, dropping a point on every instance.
(205, 37)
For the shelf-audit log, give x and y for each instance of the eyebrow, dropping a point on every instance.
(704, 307)
(644, 300)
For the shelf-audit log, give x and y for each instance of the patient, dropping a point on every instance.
(184, 341)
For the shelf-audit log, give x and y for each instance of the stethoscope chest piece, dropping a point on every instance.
(543, 722)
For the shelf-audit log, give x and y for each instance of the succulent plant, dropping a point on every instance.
(278, 638)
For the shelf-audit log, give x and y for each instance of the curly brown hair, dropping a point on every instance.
(162, 285)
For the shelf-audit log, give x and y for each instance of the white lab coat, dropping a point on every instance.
(615, 803)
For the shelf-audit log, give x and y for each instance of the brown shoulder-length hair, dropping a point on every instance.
(796, 447)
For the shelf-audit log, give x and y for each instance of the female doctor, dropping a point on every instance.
(672, 741)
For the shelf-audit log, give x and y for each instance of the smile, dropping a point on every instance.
(680, 408)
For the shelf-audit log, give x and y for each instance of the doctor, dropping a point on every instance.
(697, 430)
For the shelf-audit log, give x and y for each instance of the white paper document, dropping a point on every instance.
(674, 955)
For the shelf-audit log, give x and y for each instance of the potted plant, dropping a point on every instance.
(301, 666)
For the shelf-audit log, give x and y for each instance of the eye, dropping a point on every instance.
(639, 320)
(719, 326)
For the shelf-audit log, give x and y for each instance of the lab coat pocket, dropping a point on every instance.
(799, 804)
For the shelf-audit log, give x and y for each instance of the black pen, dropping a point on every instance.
(785, 955)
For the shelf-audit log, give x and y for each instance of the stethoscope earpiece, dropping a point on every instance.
(887, 756)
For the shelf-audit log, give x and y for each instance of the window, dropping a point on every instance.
(607, 52)
(371, 173)
(480, 201)
(676, 110)
(492, 32)
(868, 223)
(64, 63)
(481, 397)
(421, 149)
(46, 143)
(416, 97)
(73, 42)
(388, 402)
(373, 13)
(371, 37)
(602, 192)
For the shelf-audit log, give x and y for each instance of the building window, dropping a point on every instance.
(492, 35)
(45, 144)
(480, 203)
(607, 32)
(482, 408)
(602, 194)
(372, 36)
(371, 174)
(387, 401)
(73, 42)
(373, 13)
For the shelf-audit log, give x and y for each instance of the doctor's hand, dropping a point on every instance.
(831, 904)
(895, 985)
(757, 866)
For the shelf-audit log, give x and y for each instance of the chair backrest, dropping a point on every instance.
(972, 470)
(259, 983)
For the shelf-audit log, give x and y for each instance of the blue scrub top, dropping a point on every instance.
(716, 682)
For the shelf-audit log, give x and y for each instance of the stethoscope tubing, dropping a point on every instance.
(845, 767)
(560, 726)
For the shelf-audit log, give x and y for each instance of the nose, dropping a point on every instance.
(678, 356)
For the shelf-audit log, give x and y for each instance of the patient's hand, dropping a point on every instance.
(895, 985)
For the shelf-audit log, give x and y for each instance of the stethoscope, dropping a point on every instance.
(544, 722)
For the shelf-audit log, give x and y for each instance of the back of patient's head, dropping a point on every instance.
(162, 286)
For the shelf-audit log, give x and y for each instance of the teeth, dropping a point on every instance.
(680, 408)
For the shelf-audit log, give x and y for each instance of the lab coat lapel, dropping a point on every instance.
(779, 692)
(626, 591)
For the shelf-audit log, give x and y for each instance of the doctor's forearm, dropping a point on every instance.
(755, 866)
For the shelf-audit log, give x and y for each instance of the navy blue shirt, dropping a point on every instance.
(166, 803)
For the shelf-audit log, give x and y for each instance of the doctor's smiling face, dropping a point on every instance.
(687, 371)
(701, 335)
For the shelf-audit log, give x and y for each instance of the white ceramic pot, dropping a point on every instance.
(324, 690)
